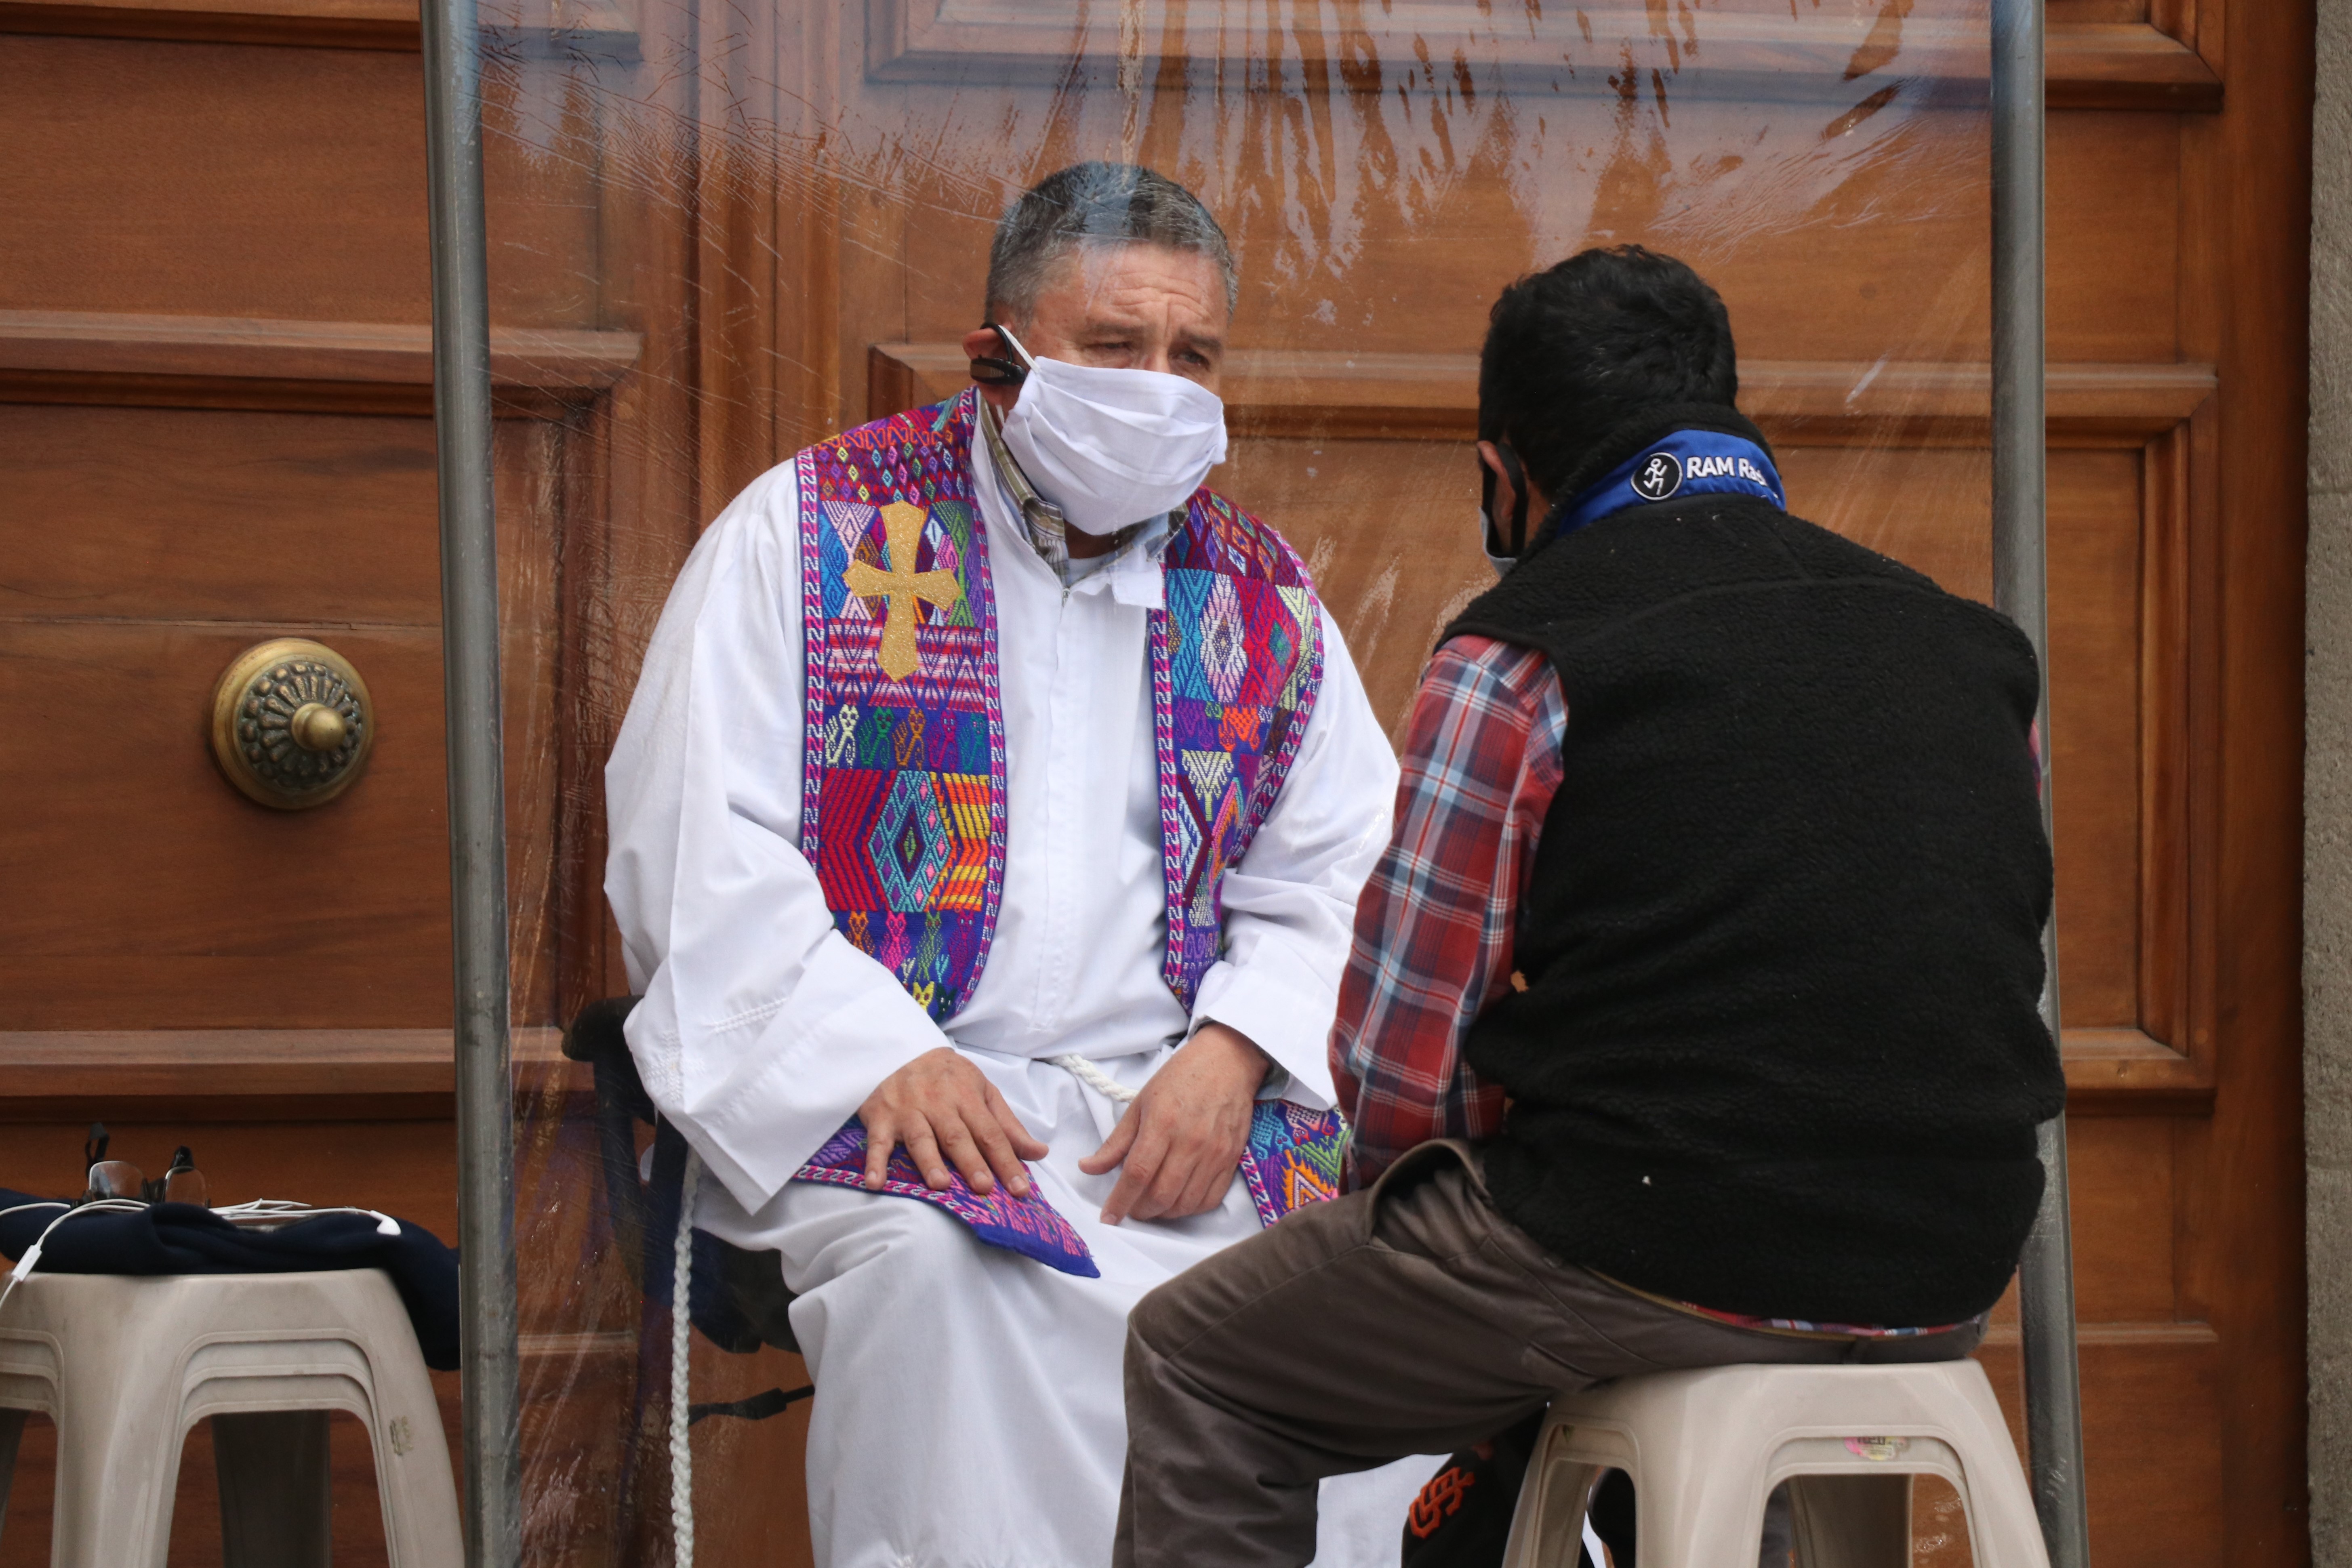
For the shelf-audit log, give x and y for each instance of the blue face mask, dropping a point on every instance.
(1501, 563)
(1684, 463)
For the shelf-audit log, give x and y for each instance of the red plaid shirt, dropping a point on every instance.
(1435, 925)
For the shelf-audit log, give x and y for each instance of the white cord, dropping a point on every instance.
(24, 1268)
(681, 1453)
(275, 1211)
(1096, 1079)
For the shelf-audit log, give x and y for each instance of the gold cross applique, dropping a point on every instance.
(902, 585)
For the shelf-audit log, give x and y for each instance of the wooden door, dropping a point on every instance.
(722, 233)
(215, 429)
(1384, 169)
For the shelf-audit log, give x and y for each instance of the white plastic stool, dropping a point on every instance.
(125, 1366)
(1705, 1448)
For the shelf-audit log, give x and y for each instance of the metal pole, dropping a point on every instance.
(478, 834)
(2054, 1400)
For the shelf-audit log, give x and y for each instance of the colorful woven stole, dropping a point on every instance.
(902, 795)
(1237, 664)
(903, 788)
(1029, 1226)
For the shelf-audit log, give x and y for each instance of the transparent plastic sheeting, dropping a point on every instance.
(722, 231)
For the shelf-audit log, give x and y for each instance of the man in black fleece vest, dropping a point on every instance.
(1694, 1017)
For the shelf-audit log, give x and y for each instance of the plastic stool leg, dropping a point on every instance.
(1548, 1529)
(118, 1466)
(12, 1432)
(1852, 1522)
(274, 1493)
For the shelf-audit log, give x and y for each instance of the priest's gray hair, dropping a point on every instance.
(1097, 203)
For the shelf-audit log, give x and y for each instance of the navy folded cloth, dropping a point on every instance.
(184, 1238)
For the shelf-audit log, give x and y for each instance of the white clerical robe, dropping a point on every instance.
(969, 1410)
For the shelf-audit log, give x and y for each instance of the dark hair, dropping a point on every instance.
(1098, 203)
(1575, 350)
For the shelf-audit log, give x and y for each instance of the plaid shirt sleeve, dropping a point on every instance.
(1435, 925)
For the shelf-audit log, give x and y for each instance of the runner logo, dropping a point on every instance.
(1659, 476)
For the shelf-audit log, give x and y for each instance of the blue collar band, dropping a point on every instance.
(1684, 463)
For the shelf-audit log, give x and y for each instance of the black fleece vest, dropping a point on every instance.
(1780, 1050)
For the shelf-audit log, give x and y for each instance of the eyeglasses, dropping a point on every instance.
(182, 1183)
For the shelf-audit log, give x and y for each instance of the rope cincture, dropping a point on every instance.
(681, 1451)
(1096, 1079)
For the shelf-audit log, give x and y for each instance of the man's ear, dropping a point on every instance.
(1506, 503)
(1503, 480)
(982, 343)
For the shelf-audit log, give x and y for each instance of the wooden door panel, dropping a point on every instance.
(187, 513)
(2096, 544)
(2096, 11)
(1887, 251)
(1874, 253)
(190, 179)
(2113, 201)
(1388, 535)
(1387, 529)
(187, 178)
(154, 896)
(2152, 1425)
(2152, 1432)
(2124, 1178)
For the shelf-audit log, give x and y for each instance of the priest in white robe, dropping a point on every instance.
(969, 1409)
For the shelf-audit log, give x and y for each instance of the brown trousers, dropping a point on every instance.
(1407, 1319)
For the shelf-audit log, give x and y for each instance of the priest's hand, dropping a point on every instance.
(1181, 1140)
(944, 1109)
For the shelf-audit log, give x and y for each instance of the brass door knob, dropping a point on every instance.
(292, 722)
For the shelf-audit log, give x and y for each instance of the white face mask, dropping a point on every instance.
(1114, 447)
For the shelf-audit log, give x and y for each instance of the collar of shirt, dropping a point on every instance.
(1131, 572)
